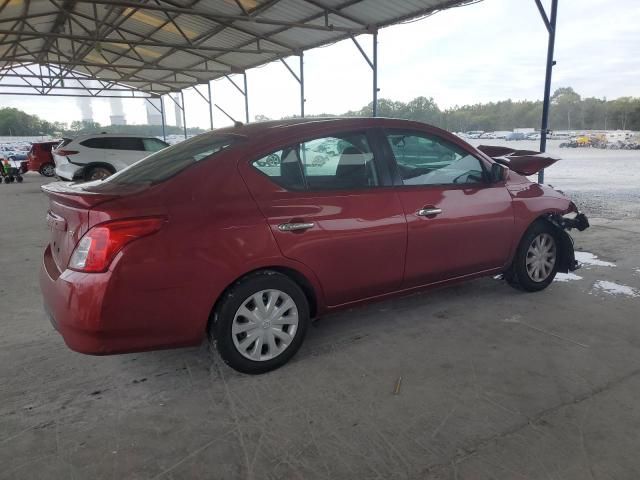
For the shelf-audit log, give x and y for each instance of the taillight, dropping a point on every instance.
(65, 153)
(98, 247)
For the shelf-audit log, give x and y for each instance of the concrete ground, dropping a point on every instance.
(476, 381)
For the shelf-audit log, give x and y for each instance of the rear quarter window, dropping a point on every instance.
(99, 142)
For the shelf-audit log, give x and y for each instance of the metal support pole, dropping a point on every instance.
(375, 74)
(164, 132)
(373, 63)
(302, 100)
(551, 27)
(210, 105)
(246, 98)
(184, 115)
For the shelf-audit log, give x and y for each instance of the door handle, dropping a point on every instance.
(292, 227)
(429, 212)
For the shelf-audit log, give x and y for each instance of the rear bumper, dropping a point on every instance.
(73, 307)
(67, 171)
(95, 317)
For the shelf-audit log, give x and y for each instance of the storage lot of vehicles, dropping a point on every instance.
(613, 140)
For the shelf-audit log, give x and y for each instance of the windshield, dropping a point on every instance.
(170, 161)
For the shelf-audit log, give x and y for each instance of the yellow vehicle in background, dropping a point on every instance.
(583, 141)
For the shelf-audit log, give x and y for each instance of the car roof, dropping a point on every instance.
(109, 135)
(299, 126)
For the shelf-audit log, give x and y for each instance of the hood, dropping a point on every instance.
(524, 162)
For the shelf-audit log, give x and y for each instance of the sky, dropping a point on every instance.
(489, 51)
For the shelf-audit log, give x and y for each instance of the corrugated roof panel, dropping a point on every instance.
(185, 42)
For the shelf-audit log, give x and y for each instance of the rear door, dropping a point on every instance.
(123, 151)
(458, 222)
(330, 205)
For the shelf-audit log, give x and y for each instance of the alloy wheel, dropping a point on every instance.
(265, 325)
(99, 173)
(541, 257)
(48, 170)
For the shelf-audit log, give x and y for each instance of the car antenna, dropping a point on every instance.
(236, 123)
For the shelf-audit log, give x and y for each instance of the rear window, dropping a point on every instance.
(170, 161)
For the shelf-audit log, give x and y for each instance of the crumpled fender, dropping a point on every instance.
(567, 261)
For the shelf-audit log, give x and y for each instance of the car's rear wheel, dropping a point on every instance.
(97, 173)
(47, 170)
(536, 261)
(260, 322)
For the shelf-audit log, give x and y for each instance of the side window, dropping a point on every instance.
(125, 143)
(429, 160)
(340, 163)
(283, 167)
(328, 163)
(153, 144)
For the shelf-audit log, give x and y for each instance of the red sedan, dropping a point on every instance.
(247, 233)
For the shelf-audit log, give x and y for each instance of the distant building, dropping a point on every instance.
(118, 120)
(117, 112)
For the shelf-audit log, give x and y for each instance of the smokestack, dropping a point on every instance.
(178, 111)
(86, 110)
(117, 112)
(153, 116)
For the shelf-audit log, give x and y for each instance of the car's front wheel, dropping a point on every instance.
(536, 261)
(260, 322)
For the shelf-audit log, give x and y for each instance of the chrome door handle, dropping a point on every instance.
(428, 212)
(292, 227)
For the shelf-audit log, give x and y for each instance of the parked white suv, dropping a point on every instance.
(92, 157)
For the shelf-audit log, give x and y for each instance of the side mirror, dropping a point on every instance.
(498, 172)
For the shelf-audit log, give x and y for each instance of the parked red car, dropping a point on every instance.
(41, 159)
(244, 234)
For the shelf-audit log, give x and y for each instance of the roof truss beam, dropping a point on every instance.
(228, 18)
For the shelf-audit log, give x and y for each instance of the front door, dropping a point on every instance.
(327, 206)
(458, 222)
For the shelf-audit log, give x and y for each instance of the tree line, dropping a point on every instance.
(14, 122)
(569, 111)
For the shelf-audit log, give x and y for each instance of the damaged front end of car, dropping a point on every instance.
(527, 163)
(563, 224)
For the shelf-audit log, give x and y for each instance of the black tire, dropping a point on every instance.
(98, 172)
(220, 330)
(19, 178)
(518, 276)
(47, 170)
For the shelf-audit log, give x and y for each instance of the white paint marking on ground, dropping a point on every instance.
(589, 259)
(566, 277)
(613, 288)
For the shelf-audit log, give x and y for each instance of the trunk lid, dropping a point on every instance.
(524, 162)
(68, 215)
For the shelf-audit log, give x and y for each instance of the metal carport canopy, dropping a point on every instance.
(165, 46)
